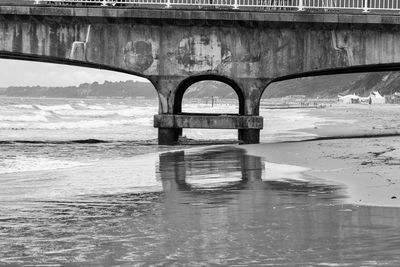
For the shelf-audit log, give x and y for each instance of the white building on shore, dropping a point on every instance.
(349, 99)
(374, 98)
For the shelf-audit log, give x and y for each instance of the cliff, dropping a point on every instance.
(323, 87)
(107, 89)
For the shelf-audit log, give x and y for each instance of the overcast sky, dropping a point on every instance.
(26, 73)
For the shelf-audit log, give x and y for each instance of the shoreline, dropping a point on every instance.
(363, 156)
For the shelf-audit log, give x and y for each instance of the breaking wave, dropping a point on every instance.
(54, 108)
(82, 124)
(74, 115)
(24, 106)
(24, 118)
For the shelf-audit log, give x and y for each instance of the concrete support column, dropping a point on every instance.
(252, 89)
(169, 136)
(249, 136)
(167, 87)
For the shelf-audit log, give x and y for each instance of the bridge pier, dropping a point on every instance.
(170, 121)
(169, 136)
(249, 136)
(252, 91)
(170, 125)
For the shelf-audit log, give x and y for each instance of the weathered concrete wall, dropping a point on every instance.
(168, 46)
(208, 121)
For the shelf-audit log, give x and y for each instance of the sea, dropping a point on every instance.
(42, 134)
(84, 183)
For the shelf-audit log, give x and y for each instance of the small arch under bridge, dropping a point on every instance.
(175, 48)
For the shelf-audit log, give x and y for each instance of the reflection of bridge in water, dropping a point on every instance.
(254, 221)
(175, 48)
(224, 168)
(219, 165)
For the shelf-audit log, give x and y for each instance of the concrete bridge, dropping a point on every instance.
(176, 48)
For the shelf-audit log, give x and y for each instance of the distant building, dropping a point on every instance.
(295, 97)
(349, 99)
(376, 98)
(393, 99)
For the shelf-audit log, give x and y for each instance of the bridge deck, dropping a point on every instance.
(217, 15)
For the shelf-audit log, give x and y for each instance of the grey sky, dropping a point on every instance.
(25, 73)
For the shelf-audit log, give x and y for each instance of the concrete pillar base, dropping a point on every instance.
(249, 136)
(169, 136)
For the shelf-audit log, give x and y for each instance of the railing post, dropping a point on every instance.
(104, 3)
(365, 9)
(168, 4)
(235, 5)
(301, 6)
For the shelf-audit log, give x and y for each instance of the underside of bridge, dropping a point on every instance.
(176, 48)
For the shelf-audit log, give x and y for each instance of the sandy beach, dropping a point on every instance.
(361, 152)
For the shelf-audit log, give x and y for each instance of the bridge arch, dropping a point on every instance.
(72, 62)
(368, 68)
(312, 89)
(66, 61)
(97, 81)
(185, 84)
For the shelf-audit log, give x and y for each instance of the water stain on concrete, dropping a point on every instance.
(199, 53)
(138, 56)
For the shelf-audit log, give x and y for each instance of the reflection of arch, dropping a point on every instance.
(185, 84)
(346, 70)
(65, 61)
(174, 167)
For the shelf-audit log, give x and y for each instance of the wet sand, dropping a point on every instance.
(362, 154)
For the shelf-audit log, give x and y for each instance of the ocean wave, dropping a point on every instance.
(26, 164)
(81, 124)
(24, 118)
(86, 113)
(104, 113)
(86, 124)
(81, 141)
(54, 107)
(23, 106)
(93, 107)
(143, 121)
(125, 143)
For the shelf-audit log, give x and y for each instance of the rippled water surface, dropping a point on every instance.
(205, 207)
(73, 195)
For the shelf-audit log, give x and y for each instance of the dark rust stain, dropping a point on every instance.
(138, 56)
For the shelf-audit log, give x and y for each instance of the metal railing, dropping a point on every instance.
(363, 5)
